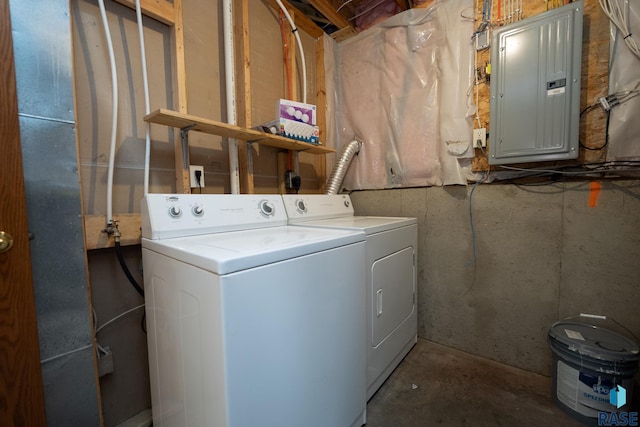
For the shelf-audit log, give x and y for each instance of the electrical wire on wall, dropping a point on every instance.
(597, 170)
(291, 172)
(294, 30)
(482, 27)
(107, 323)
(607, 103)
(147, 108)
(67, 353)
(104, 351)
(101, 351)
(230, 91)
(618, 13)
(285, 54)
(611, 169)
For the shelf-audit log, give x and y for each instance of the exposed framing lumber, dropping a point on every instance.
(170, 14)
(343, 34)
(95, 238)
(213, 127)
(321, 93)
(243, 90)
(403, 4)
(325, 8)
(160, 10)
(321, 105)
(293, 59)
(180, 87)
(594, 83)
(302, 22)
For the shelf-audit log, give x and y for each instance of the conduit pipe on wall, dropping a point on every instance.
(114, 122)
(342, 164)
(147, 108)
(230, 87)
(294, 29)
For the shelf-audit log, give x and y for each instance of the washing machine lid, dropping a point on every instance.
(224, 253)
(368, 224)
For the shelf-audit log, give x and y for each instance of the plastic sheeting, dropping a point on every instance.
(403, 88)
(624, 74)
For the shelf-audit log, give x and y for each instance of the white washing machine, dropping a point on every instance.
(251, 322)
(390, 276)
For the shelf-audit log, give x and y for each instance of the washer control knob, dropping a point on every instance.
(198, 210)
(346, 203)
(175, 211)
(267, 209)
(301, 206)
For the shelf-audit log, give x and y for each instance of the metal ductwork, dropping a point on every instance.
(340, 168)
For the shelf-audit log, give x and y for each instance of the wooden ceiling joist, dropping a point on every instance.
(325, 8)
(302, 22)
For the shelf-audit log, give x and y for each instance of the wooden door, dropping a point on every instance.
(21, 392)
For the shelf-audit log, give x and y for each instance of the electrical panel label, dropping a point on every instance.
(556, 91)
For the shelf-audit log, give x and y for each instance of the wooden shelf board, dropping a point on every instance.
(199, 124)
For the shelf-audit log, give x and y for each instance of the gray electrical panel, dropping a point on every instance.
(535, 87)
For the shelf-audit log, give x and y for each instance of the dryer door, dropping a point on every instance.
(392, 292)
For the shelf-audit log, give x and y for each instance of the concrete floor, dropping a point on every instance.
(437, 385)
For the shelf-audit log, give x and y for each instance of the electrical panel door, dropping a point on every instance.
(535, 87)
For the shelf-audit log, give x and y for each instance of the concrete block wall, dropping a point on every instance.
(542, 254)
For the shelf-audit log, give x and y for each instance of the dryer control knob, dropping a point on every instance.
(198, 210)
(266, 208)
(302, 207)
(175, 211)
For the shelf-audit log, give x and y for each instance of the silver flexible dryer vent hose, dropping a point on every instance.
(340, 168)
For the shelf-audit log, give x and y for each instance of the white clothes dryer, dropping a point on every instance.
(251, 322)
(392, 244)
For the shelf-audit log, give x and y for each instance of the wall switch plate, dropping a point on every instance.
(192, 176)
(480, 137)
(482, 39)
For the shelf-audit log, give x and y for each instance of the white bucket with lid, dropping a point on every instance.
(589, 361)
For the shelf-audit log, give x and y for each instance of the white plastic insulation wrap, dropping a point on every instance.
(404, 88)
(624, 74)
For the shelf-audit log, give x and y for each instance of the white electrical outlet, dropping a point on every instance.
(193, 179)
(480, 137)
